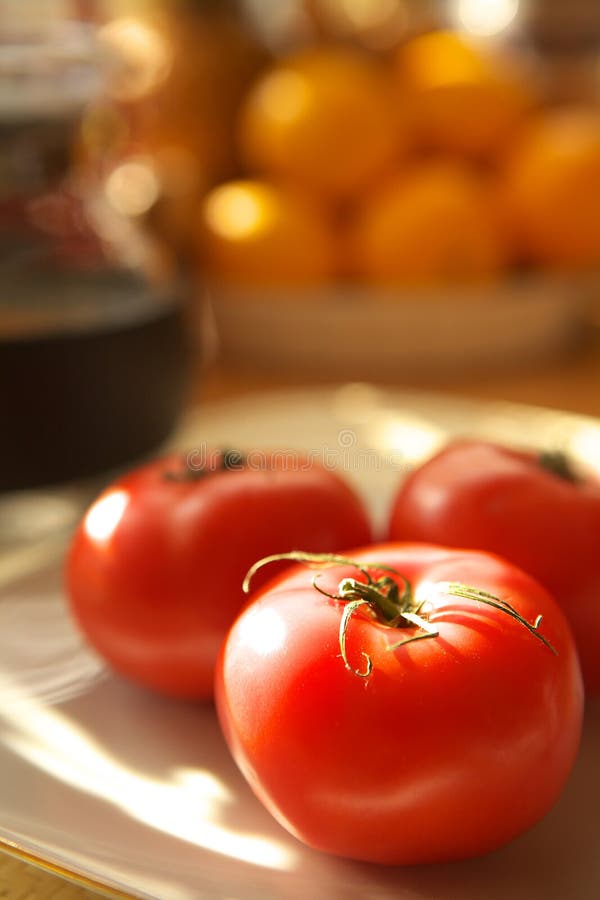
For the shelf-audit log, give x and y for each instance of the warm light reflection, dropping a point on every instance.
(410, 437)
(283, 96)
(132, 188)
(486, 17)
(263, 631)
(103, 517)
(428, 592)
(184, 805)
(237, 211)
(584, 446)
(139, 56)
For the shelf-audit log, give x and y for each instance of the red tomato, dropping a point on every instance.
(440, 749)
(155, 569)
(530, 509)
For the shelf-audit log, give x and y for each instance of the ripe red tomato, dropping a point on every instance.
(530, 509)
(440, 749)
(155, 569)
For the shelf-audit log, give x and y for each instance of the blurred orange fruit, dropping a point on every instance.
(259, 233)
(464, 99)
(551, 189)
(325, 118)
(431, 225)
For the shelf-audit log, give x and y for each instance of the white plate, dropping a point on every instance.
(138, 794)
(370, 330)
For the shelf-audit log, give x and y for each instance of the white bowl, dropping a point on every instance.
(371, 330)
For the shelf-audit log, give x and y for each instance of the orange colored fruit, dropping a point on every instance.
(258, 233)
(431, 225)
(325, 118)
(551, 189)
(465, 99)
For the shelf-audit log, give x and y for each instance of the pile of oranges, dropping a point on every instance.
(438, 165)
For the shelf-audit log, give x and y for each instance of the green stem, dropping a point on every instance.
(349, 610)
(392, 607)
(229, 461)
(386, 603)
(469, 593)
(558, 463)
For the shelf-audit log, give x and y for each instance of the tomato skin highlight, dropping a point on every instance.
(450, 747)
(489, 497)
(157, 594)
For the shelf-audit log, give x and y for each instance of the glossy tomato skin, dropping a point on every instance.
(448, 749)
(489, 497)
(157, 594)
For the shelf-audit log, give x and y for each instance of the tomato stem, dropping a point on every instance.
(229, 461)
(349, 610)
(469, 593)
(558, 463)
(321, 561)
(391, 603)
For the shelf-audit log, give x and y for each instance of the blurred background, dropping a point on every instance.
(200, 199)
(363, 189)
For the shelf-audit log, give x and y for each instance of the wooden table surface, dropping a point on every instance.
(571, 382)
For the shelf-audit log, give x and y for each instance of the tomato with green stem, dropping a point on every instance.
(155, 569)
(411, 704)
(532, 508)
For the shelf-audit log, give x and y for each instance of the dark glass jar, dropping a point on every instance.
(92, 355)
